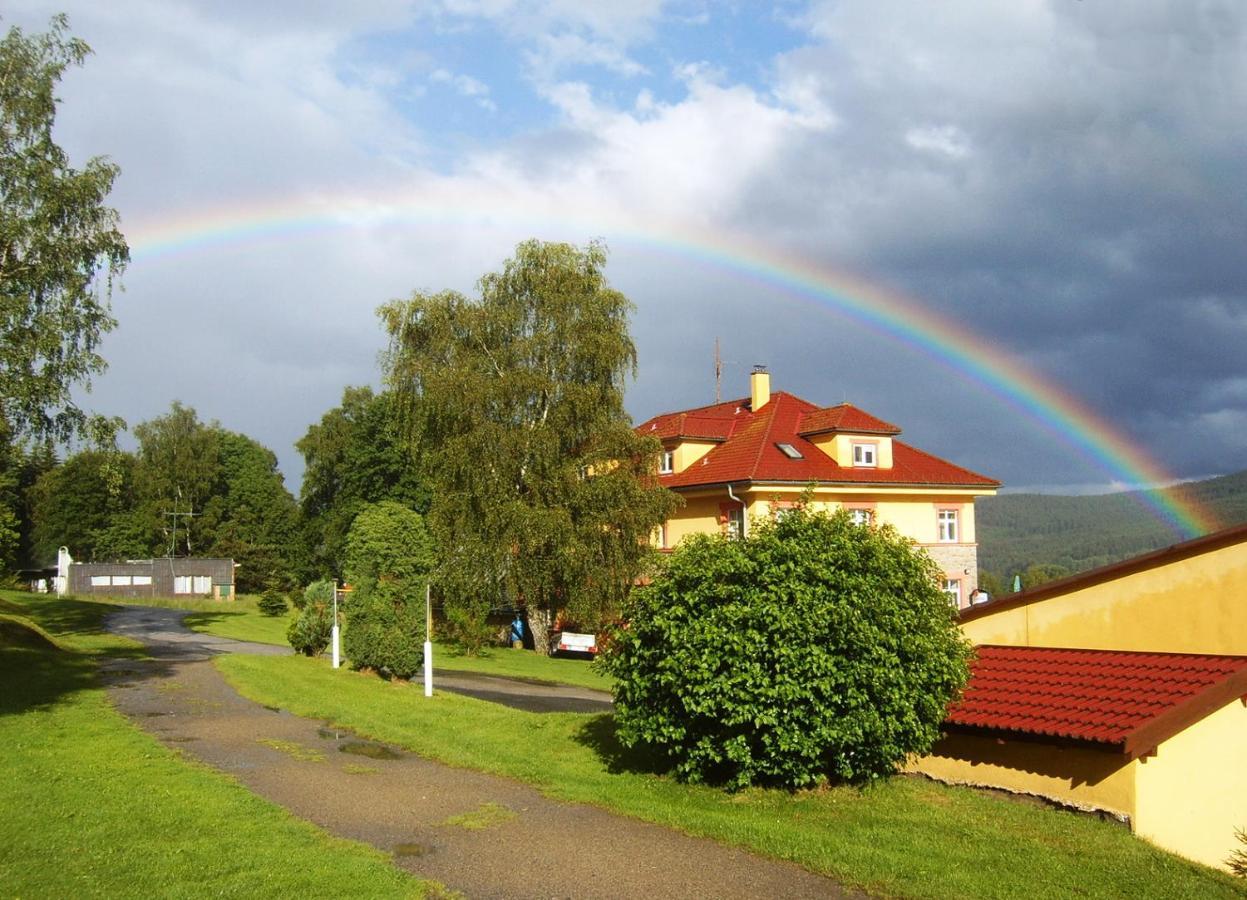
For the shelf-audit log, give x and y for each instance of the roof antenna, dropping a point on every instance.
(718, 374)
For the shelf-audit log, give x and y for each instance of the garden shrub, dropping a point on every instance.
(467, 626)
(273, 602)
(317, 592)
(389, 555)
(814, 648)
(310, 632)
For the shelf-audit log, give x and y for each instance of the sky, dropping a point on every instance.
(1060, 183)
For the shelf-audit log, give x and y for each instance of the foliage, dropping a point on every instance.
(354, 456)
(273, 602)
(540, 488)
(389, 555)
(111, 504)
(81, 504)
(311, 631)
(317, 592)
(467, 626)
(813, 647)
(1238, 857)
(56, 238)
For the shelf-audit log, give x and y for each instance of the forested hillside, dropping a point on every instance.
(1052, 536)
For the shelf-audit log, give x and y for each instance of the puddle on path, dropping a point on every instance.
(332, 734)
(275, 709)
(412, 849)
(369, 749)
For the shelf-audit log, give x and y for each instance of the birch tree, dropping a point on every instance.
(542, 493)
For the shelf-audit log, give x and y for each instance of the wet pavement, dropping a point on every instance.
(480, 834)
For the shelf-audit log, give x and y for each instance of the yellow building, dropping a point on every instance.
(1188, 598)
(745, 459)
(1147, 720)
(1156, 739)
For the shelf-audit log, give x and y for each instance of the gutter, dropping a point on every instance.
(744, 512)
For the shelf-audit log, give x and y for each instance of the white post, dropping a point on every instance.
(428, 644)
(333, 632)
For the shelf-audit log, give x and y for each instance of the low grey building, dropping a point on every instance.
(138, 578)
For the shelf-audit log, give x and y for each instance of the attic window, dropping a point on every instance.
(790, 451)
(666, 465)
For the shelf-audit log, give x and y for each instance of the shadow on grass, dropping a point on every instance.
(599, 735)
(200, 619)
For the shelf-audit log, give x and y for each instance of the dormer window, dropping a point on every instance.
(790, 451)
(667, 464)
(865, 455)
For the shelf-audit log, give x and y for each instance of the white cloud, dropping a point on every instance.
(465, 85)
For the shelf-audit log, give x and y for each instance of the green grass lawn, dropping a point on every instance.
(93, 806)
(906, 837)
(524, 664)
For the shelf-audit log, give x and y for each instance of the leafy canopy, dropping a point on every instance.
(56, 239)
(814, 648)
(540, 488)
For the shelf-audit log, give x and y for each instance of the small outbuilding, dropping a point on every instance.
(1156, 740)
(166, 577)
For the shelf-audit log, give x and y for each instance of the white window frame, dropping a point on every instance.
(947, 525)
(666, 465)
(952, 589)
(122, 580)
(101, 581)
(862, 515)
(141, 580)
(865, 455)
(736, 522)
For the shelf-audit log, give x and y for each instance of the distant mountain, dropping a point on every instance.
(1016, 531)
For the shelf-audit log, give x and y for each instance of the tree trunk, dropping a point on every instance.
(539, 622)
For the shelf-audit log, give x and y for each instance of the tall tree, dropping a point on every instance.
(57, 238)
(78, 503)
(354, 456)
(539, 485)
(179, 468)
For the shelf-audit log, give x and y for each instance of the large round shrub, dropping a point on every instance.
(814, 648)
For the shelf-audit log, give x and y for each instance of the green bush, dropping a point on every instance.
(389, 555)
(309, 633)
(467, 626)
(317, 592)
(273, 602)
(814, 648)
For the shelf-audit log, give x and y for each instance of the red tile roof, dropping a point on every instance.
(844, 417)
(747, 448)
(1118, 700)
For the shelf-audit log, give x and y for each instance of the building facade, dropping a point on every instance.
(742, 460)
(139, 578)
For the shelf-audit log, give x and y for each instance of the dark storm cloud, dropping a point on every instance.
(1065, 179)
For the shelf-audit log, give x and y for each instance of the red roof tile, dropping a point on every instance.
(747, 450)
(845, 417)
(1123, 701)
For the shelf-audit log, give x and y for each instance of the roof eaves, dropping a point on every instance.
(1217, 540)
(1173, 721)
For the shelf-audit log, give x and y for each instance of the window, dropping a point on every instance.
(952, 587)
(790, 451)
(121, 581)
(181, 584)
(864, 455)
(783, 512)
(100, 581)
(735, 522)
(142, 579)
(862, 516)
(203, 584)
(667, 465)
(662, 536)
(947, 519)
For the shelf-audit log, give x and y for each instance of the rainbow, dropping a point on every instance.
(882, 310)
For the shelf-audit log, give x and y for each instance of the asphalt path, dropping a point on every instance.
(479, 834)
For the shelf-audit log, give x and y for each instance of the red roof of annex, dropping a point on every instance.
(1120, 700)
(748, 448)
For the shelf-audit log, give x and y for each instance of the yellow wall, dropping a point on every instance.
(840, 447)
(1192, 605)
(1090, 779)
(911, 511)
(1193, 793)
(689, 452)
